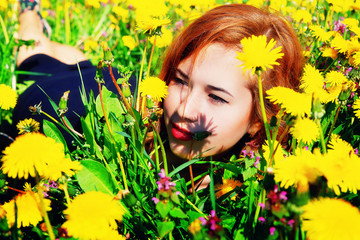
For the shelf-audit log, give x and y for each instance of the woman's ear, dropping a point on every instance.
(254, 128)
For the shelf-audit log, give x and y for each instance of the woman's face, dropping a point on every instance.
(212, 96)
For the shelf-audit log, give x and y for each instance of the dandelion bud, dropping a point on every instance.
(99, 77)
(126, 89)
(36, 109)
(344, 95)
(129, 199)
(149, 103)
(63, 103)
(318, 109)
(108, 57)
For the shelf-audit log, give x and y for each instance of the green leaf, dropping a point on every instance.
(89, 135)
(165, 228)
(248, 173)
(163, 208)
(193, 215)
(177, 213)
(95, 177)
(53, 132)
(111, 104)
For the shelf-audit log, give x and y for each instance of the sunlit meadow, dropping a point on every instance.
(111, 188)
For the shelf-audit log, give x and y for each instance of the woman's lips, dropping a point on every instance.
(180, 133)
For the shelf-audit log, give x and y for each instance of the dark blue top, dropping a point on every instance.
(60, 78)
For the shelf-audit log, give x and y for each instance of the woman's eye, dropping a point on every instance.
(180, 81)
(217, 99)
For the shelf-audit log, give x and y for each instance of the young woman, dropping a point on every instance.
(208, 91)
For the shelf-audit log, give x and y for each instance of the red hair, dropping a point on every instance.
(227, 25)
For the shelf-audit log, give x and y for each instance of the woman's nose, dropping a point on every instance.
(190, 107)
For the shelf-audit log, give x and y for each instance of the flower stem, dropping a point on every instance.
(127, 105)
(191, 172)
(151, 56)
(192, 205)
(67, 197)
(42, 208)
(263, 113)
(162, 148)
(322, 141)
(4, 30)
(140, 75)
(333, 123)
(112, 139)
(67, 24)
(71, 129)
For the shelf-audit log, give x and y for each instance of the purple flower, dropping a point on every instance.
(261, 219)
(162, 173)
(282, 196)
(262, 205)
(202, 220)
(179, 24)
(272, 230)
(256, 163)
(291, 223)
(339, 26)
(155, 200)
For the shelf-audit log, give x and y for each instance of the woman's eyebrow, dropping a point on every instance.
(186, 77)
(219, 89)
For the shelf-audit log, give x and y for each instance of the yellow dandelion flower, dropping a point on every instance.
(356, 58)
(90, 45)
(329, 52)
(154, 8)
(27, 187)
(195, 226)
(149, 24)
(3, 5)
(340, 44)
(328, 218)
(289, 100)
(356, 108)
(129, 42)
(258, 54)
(28, 212)
(277, 5)
(121, 12)
(45, 4)
(353, 25)
(255, 3)
(8, 97)
(92, 215)
(340, 6)
(36, 151)
(302, 15)
(335, 78)
(153, 87)
(305, 130)
(279, 154)
(113, 19)
(312, 80)
(297, 170)
(340, 166)
(2, 212)
(164, 40)
(92, 3)
(28, 125)
(227, 186)
(354, 44)
(321, 34)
